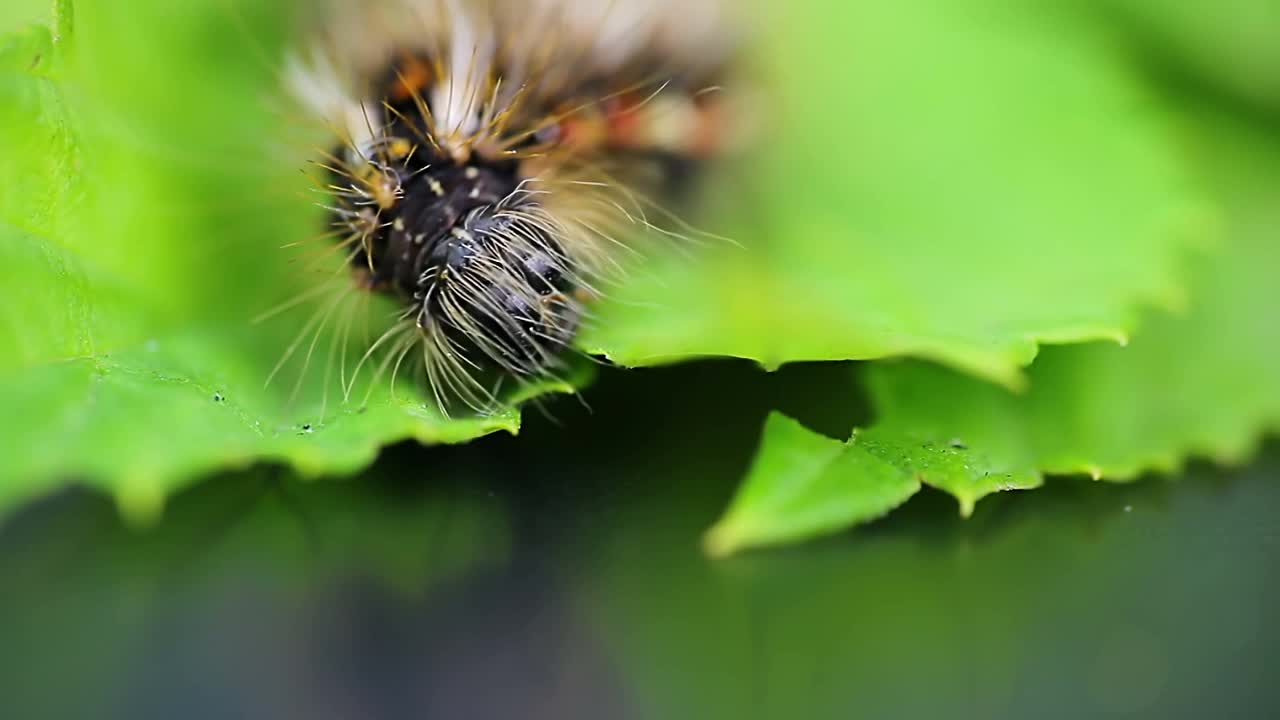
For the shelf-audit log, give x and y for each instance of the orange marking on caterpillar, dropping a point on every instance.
(412, 79)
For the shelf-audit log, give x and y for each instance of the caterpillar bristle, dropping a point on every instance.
(491, 166)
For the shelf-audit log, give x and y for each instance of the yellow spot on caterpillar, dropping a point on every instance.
(399, 148)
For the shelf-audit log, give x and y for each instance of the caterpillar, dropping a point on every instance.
(494, 163)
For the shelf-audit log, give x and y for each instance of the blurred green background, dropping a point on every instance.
(557, 574)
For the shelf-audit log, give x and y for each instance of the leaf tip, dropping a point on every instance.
(140, 501)
(721, 540)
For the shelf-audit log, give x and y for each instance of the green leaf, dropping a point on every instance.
(1201, 383)
(1198, 384)
(800, 485)
(142, 208)
(803, 485)
(955, 181)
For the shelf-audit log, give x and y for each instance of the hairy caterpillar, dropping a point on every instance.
(493, 160)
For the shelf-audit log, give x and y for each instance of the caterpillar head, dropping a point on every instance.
(480, 264)
(497, 289)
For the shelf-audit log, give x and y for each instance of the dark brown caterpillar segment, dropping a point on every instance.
(487, 284)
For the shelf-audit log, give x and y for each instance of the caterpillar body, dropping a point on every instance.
(494, 161)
